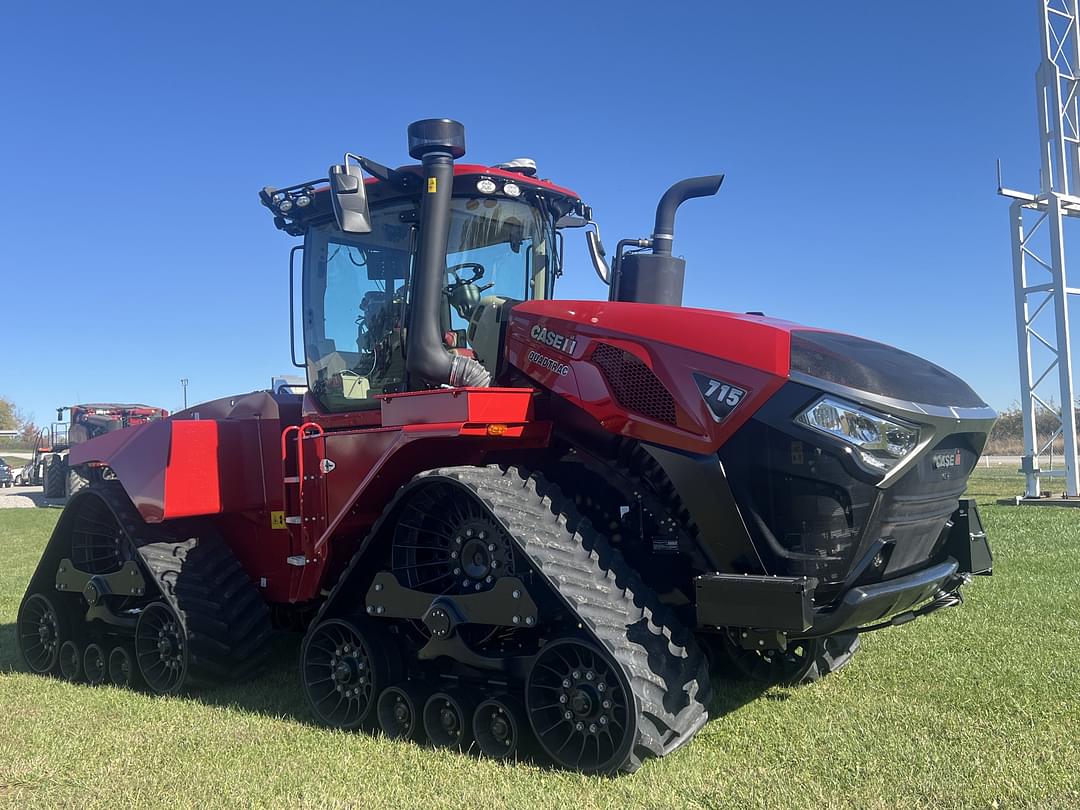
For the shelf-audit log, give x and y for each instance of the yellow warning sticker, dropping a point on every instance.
(277, 520)
(432, 185)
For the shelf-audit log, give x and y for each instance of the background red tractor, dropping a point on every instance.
(48, 467)
(507, 521)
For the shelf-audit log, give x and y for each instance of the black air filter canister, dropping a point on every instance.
(650, 278)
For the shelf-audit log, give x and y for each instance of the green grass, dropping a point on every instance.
(978, 706)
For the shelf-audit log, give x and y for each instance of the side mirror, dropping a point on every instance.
(571, 221)
(597, 254)
(349, 197)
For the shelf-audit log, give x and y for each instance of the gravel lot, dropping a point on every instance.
(25, 498)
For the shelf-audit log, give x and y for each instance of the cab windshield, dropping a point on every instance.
(356, 289)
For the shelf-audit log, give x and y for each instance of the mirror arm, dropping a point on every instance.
(597, 253)
(384, 173)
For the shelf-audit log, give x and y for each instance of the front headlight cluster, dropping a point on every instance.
(880, 441)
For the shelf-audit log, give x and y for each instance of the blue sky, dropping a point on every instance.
(858, 140)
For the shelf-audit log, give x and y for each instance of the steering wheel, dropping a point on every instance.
(464, 293)
(455, 271)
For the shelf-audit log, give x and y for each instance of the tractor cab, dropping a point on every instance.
(503, 245)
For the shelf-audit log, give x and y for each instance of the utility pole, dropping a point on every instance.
(183, 383)
(1037, 226)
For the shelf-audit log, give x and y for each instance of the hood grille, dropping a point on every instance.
(633, 384)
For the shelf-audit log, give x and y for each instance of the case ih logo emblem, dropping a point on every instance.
(549, 337)
(721, 397)
(550, 364)
(950, 458)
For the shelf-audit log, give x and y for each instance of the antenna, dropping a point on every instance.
(1041, 290)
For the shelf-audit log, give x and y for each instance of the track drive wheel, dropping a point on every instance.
(804, 661)
(41, 630)
(161, 649)
(343, 668)
(580, 707)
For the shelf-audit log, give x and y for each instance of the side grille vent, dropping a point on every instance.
(633, 384)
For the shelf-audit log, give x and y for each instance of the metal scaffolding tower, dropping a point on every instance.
(1038, 251)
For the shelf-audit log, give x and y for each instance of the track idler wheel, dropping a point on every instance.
(161, 649)
(448, 719)
(41, 629)
(122, 669)
(71, 661)
(580, 707)
(399, 711)
(94, 664)
(500, 728)
(343, 668)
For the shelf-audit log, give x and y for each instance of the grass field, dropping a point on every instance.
(978, 706)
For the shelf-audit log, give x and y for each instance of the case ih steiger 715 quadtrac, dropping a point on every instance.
(507, 519)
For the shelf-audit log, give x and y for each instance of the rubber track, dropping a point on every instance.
(226, 619)
(666, 669)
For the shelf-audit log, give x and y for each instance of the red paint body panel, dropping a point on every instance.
(192, 477)
(673, 342)
(465, 405)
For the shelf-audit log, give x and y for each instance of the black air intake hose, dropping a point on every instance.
(436, 142)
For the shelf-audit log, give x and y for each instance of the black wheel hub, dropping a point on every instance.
(349, 666)
(448, 719)
(47, 631)
(499, 727)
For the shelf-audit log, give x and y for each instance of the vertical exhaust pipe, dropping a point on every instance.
(657, 277)
(436, 143)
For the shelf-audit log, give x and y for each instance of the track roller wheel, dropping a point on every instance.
(448, 719)
(580, 707)
(500, 727)
(41, 625)
(161, 649)
(71, 661)
(94, 664)
(123, 670)
(399, 711)
(343, 667)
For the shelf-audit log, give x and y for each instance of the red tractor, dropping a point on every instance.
(49, 466)
(507, 521)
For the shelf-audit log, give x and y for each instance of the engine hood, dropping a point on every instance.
(773, 346)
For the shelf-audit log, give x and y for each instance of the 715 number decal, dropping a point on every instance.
(721, 397)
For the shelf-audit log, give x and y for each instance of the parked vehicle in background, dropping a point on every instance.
(7, 476)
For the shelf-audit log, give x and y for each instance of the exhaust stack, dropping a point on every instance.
(657, 277)
(436, 143)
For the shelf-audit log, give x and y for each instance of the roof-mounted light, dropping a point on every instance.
(512, 190)
(486, 186)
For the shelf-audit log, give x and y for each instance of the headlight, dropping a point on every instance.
(880, 441)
